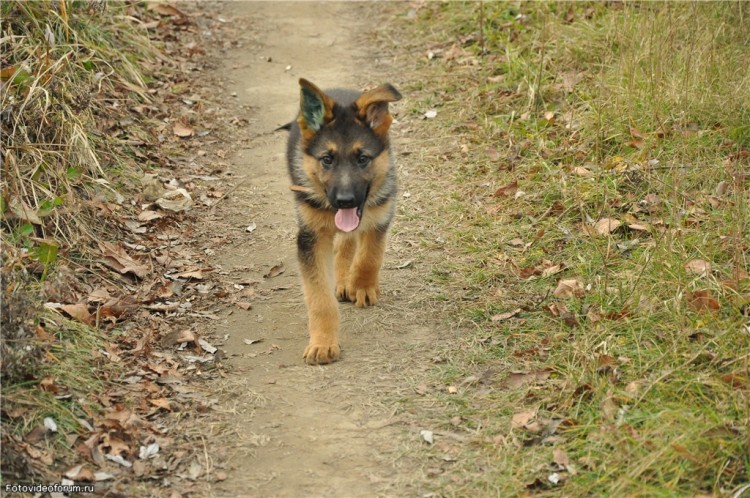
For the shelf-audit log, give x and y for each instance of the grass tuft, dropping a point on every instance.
(64, 75)
(634, 112)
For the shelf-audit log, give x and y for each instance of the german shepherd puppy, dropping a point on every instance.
(344, 182)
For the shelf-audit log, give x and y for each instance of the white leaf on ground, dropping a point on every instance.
(149, 451)
(427, 436)
(195, 470)
(175, 200)
(207, 347)
(118, 459)
(50, 424)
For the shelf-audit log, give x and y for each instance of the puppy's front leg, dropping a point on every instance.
(315, 253)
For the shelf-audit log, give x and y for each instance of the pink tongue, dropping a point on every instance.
(347, 219)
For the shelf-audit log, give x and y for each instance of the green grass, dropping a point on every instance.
(647, 394)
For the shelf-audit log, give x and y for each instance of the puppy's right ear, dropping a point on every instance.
(316, 109)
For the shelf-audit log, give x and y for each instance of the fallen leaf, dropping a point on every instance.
(552, 270)
(606, 364)
(206, 346)
(164, 9)
(149, 451)
(427, 436)
(606, 226)
(48, 384)
(504, 316)
(560, 457)
(116, 258)
(275, 271)
(149, 215)
(453, 53)
(163, 403)
(99, 295)
(182, 130)
(698, 266)
(22, 211)
(529, 271)
(722, 188)
(507, 189)
(243, 305)
(736, 380)
(570, 16)
(702, 300)
(522, 419)
(103, 476)
(196, 274)
(639, 227)
(36, 434)
(609, 408)
(568, 288)
(80, 473)
(50, 424)
(179, 337)
(195, 470)
(177, 200)
(516, 380)
(118, 459)
(80, 312)
(632, 388)
(493, 154)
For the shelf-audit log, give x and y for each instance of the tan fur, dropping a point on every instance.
(363, 281)
(336, 265)
(323, 307)
(344, 248)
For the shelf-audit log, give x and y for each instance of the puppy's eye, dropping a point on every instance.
(363, 161)
(326, 161)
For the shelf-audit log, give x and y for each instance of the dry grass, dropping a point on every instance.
(634, 112)
(64, 72)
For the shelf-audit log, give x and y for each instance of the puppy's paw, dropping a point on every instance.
(321, 352)
(364, 296)
(342, 293)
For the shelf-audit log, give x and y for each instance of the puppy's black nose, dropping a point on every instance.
(345, 200)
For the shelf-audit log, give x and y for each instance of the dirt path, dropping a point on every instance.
(309, 431)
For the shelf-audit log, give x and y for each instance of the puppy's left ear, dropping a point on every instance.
(372, 108)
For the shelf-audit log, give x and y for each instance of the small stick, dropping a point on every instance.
(300, 188)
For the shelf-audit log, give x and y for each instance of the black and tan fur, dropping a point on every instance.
(339, 157)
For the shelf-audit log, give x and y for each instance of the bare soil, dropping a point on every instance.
(340, 429)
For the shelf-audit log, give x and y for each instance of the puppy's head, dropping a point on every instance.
(345, 147)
